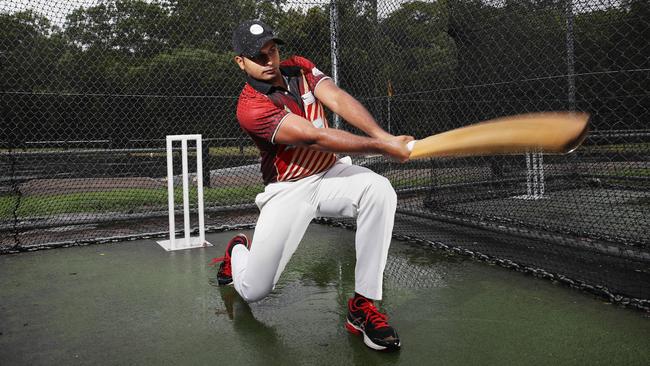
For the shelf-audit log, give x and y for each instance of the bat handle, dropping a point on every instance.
(410, 145)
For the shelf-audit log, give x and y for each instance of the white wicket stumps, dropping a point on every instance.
(187, 242)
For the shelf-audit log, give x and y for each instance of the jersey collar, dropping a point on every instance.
(267, 88)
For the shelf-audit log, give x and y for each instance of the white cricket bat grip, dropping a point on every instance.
(410, 145)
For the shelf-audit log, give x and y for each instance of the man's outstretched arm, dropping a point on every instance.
(298, 131)
(346, 106)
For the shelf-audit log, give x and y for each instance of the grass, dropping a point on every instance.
(251, 150)
(222, 151)
(248, 150)
(635, 172)
(126, 199)
(628, 172)
(139, 199)
(133, 199)
(619, 148)
(410, 182)
(427, 181)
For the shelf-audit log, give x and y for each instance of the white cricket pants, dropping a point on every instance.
(287, 208)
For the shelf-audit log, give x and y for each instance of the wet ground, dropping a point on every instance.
(132, 303)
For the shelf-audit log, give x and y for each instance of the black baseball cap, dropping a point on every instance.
(250, 36)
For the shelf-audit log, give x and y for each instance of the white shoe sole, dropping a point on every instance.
(367, 341)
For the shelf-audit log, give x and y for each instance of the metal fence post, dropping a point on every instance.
(334, 41)
(206, 164)
(571, 78)
(570, 57)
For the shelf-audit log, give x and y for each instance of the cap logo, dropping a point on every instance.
(256, 29)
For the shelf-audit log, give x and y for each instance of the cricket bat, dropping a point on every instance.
(546, 132)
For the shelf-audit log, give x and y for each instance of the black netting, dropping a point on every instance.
(90, 89)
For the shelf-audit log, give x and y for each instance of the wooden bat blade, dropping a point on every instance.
(548, 132)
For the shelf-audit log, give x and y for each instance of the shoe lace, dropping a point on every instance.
(218, 260)
(373, 315)
(225, 257)
(226, 265)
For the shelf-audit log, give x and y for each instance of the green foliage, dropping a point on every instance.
(206, 24)
(307, 33)
(140, 69)
(29, 51)
(418, 35)
(129, 27)
(184, 71)
(123, 68)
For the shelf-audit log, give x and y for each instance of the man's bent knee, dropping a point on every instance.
(253, 294)
(384, 189)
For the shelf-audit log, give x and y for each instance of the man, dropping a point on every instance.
(281, 109)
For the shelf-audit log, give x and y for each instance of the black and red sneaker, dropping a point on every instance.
(224, 276)
(364, 318)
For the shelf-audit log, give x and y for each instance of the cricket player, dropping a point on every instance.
(282, 109)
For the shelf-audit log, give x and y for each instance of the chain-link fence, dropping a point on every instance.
(90, 89)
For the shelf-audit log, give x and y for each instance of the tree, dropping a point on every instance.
(306, 33)
(129, 27)
(612, 52)
(511, 58)
(28, 54)
(28, 51)
(426, 54)
(420, 60)
(206, 24)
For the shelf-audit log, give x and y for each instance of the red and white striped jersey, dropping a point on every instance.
(261, 109)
